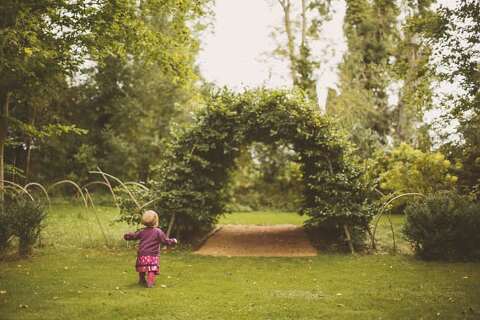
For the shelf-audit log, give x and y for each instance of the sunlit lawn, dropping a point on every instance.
(75, 277)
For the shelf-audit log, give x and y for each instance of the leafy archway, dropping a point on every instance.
(196, 170)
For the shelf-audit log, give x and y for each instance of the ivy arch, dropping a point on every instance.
(198, 161)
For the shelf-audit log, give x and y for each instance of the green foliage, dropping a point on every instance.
(444, 225)
(454, 35)
(6, 231)
(302, 21)
(412, 68)
(405, 169)
(27, 222)
(371, 30)
(196, 170)
(23, 218)
(410, 170)
(365, 73)
(122, 70)
(385, 54)
(266, 177)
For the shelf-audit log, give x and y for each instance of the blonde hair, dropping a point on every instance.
(150, 218)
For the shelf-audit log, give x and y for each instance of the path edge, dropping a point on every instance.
(202, 241)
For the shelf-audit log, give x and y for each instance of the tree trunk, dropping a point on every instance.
(286, 5)
(304, 22)
(29, 146)
(5, 100)
(349, 238)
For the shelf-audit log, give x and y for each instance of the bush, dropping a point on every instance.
(444, 225)
(26, 222)
(6, 231)
(23, 218)
(406, 169)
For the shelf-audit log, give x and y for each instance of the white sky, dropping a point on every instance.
(236, 52)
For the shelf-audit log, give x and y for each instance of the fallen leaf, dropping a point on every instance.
(339, 294)
(117, 288)
(163, 286)
(3, 291)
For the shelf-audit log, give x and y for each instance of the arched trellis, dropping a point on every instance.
(197, 165)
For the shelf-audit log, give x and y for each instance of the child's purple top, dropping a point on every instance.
(150, 240)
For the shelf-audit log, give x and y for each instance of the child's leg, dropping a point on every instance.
(141, 278)
(150, 279)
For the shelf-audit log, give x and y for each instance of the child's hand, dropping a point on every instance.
(174, 241)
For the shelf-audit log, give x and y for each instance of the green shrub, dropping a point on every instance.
(23, 218)
(5, 230)
(405, 169)
(444, 225)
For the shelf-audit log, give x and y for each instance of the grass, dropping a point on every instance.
(263, 218)
(74, 277)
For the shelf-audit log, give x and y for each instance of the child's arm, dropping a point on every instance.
(132, 235)
(165, 240)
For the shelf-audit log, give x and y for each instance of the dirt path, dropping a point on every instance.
(249, 240)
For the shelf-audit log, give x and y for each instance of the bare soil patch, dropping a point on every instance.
(266, 241)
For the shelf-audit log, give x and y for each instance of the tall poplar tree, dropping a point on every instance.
(365, 72)
(302, 23)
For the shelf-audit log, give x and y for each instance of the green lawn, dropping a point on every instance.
(263, 218)
(75, 277)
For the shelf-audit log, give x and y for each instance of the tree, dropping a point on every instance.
(411, 170)
(411, 70)
(132, 103)
(38, 41)
(58, 55)
(301, 26)
(365, 73)
(455, 37)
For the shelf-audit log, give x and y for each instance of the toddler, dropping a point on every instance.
(151, 237)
